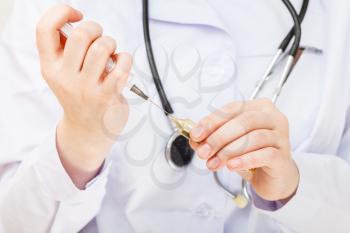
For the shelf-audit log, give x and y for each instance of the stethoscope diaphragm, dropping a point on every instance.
(178, 152)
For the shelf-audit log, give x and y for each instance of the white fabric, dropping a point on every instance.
(5, 10)
(209, 53)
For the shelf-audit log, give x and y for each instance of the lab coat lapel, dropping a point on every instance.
(337, 81)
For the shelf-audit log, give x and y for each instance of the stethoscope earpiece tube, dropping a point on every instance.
(297, 27)
(281, 49)
(152, 63)
(286, 41)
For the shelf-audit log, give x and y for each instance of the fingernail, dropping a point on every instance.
(234, 163)
(204, 151)
(214, 163)
(197, 131)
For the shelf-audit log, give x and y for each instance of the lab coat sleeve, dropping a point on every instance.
(322, 201)
(36, 194)
(40, 197)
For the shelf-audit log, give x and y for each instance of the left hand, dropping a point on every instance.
(249, 135)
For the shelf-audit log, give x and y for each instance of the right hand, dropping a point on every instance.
(91, 99)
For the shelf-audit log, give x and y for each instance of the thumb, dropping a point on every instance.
(47, 34)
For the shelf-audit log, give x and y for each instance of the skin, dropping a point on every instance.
(91, 98)
(250, 135)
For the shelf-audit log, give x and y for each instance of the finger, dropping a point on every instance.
(117, 79)
(47, 31)
(78, 43)
(254, 140)
(215, 164)
(96, 58)
(234, 129)
(246, 174)
(256, 159)
(215, 120)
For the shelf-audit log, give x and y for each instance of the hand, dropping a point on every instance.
(91, 99)
(248, 135)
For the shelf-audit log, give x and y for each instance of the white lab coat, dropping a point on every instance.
(209, 53)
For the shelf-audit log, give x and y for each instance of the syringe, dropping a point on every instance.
(66, 31)
(184, 126)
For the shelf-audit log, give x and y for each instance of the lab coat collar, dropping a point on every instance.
(196, 12)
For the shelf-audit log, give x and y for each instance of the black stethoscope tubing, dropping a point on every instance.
(152, 63)
(294, 32)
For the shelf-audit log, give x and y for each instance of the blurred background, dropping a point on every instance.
(5, 9)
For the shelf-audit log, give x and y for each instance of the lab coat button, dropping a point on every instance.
(203, 210)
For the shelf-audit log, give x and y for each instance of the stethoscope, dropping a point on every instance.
(178, 151)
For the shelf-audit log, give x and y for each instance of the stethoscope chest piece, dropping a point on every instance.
(178, 152)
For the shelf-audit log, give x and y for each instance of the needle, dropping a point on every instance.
(133, 88)
(183, 125)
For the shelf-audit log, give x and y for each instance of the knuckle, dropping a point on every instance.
(110, 43)
(223, 155)
(87, 32)
(252, 161)
(63, 8)
(103, 46)
(99, 48)
(125, 59)
(92, 27)
(121, 73)
(81, 35)
(235, 107)
(92, 24)
(272, 153)
(124, 65)
(227, 152)
(126, 55)
(215, 140)
(41, 27)
(265, 103)
(205, 122)
(248, 119)
(222, 115)
(284, 119)
(260, 135)
(46, 73)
